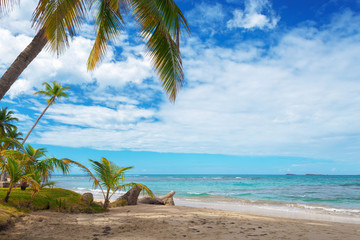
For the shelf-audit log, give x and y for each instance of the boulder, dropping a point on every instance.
(87, 197)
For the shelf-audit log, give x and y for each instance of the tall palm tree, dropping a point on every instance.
(6, 119)
(109, 177)
(161, 23)
(54, 91)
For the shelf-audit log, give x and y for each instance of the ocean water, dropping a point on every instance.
(334, 194)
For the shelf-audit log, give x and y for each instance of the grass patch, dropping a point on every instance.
(52, 199)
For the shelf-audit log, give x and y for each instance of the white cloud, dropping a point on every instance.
(98, 117)
(117, 74)
(18, 20)
(21, 86)
(301, 99)
(207, 17)
(256, 14)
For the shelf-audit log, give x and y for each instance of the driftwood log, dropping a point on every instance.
(131, 197)
(162, 200)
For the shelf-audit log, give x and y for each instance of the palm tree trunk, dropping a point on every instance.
(47, 106)
(8, 192)
(107, 201)
(22, 61)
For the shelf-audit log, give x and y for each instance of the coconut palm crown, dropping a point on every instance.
(161, 25)
(53, 91)
(6, 119)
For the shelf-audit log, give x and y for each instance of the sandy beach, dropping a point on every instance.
(173, 222)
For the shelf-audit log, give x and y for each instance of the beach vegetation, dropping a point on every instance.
(109, 177)
(35, 165)
(15, 171)
(46, 199)
(54, 91)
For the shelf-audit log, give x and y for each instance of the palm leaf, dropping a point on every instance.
(109, 22)
(87, 171)
(59, 17)
(7, 5)
(160, 26)
(132, 184)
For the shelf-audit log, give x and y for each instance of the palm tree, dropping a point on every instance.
(14, 134)
(54, 91)
(108, 177)
(160, 21)
(36, 183)
(35, 158)
(6, 119)
(7, 130)
(15, 170)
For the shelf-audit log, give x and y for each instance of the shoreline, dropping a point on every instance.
(268, 210)
(263, 210)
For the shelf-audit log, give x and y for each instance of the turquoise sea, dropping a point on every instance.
(331, 193)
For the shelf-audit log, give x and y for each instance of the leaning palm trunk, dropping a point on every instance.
(24, 184)
(22, 61)
(37, 120)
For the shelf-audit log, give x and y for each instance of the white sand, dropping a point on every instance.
(174, 222)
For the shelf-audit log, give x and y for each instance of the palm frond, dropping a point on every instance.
(59, 164)
(127, 186)
(59, 17)
(109, 23)
(103, 171)
(13, 142)
(87, 171)
(14, 169)
(161, 26)
(12, 154)
(7, 5)
(41, 92)
(48, 184)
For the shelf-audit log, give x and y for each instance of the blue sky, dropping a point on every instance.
(271, 87)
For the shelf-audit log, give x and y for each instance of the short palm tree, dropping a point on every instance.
(35, 158)
(54, 91)
(160, 21)
(15, 171)
(6, 119)
(109, 177)
(36, 183)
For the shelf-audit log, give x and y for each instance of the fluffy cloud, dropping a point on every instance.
(207, 17)
(97, 116)
(256, 14)
(301, 99)
(298, 98)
